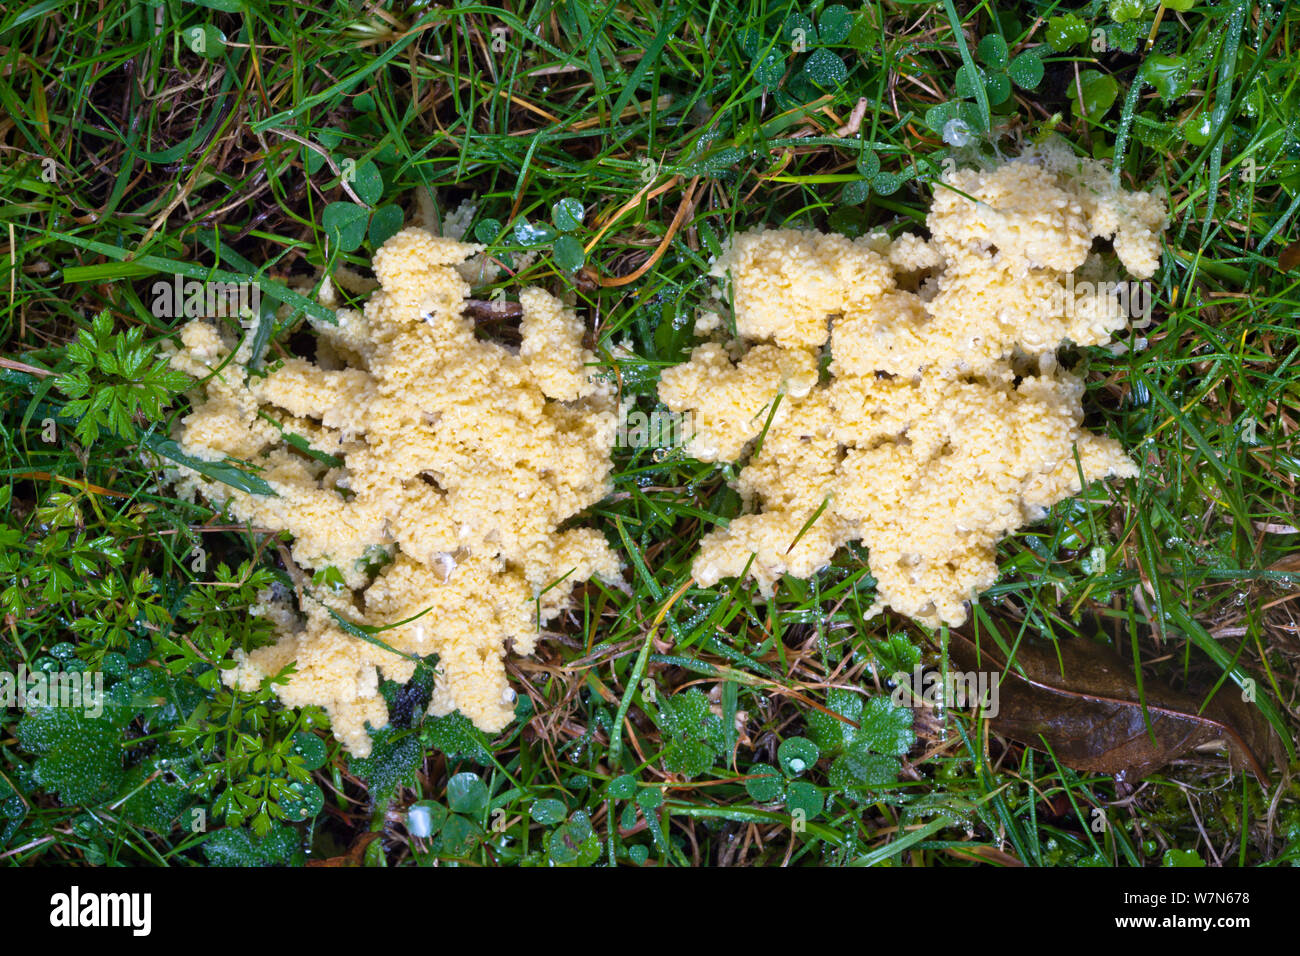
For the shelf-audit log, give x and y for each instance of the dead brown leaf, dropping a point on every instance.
(1087, 707)
(355, 856)
(1289, 258)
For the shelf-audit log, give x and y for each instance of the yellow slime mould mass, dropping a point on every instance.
(447, 460)
(943, 423)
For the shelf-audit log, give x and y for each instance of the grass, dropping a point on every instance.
(174, 138)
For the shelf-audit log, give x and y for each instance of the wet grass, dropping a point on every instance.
(132, 147)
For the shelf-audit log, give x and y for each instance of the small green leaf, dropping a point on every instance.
(456, 737)
(693, 734)
(487, 231)
(1182, 858)
(1121, 11)
(156, 805)
(831, 733)
(426, 818)
(205, 40)
(937, 117)
(886, 184)
(622, 788)
(834, 24)
(765, 784)
(385, 223)
(1198, 128)
(80, 757)
(858, 769)
(796, 755)
(825, 69)
(548, 811)
(367, 183)
(864, 34)
(573, 844)
(466, 793)
(969, 114)
(345, 225)
(769, 70)
(999, 89)
(796, 27)
(460, 837)
(886, 728)
(856, 192)
(1099, 92)
(1168, 74)
(850, 221)
(236, 846)
(690, 758)
(115, 665)
(1065, 32)
(1026, 70)
(393, 760)
(992, 52)
(305, 804)
(567, 214)
(533, 233)
(313, 161)
(995, 83)
(329, 577)
(569, 254)
(896, 653)
(311, 748)
(801, 795)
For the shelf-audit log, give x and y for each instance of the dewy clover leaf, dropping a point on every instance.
(566, 215)
(693, 732)
(865, 756)
(998, 70)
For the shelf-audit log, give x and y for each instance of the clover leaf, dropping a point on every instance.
(1098, 94)
(574, 843)
(693, 732)
(866, 756)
